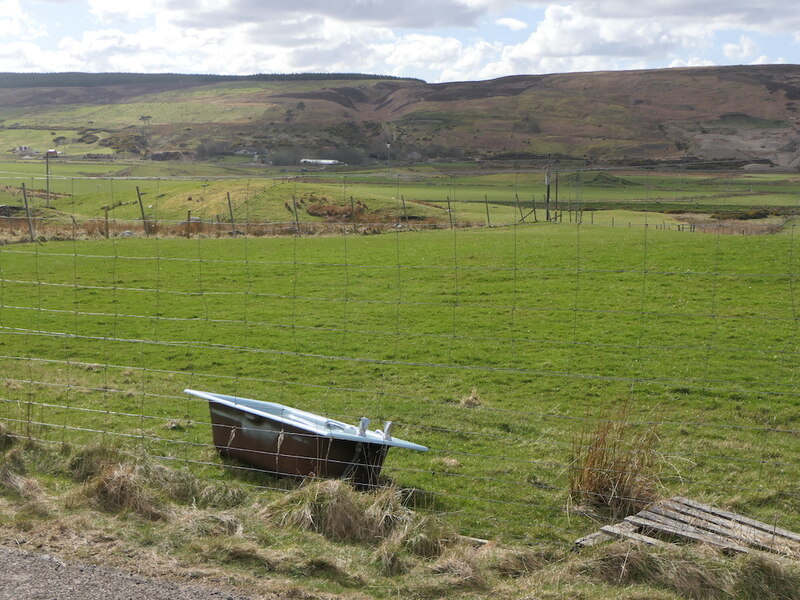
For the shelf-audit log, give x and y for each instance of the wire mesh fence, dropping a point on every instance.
(528, 356)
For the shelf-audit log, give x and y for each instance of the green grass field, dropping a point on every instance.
(555, 327)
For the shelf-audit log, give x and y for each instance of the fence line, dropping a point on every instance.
(102, 360)
(527, 413)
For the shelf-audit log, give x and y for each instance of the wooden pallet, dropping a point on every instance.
(682, 518)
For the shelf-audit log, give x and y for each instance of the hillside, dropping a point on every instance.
(744, 114)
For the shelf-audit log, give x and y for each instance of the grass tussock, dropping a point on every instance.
(211, 524)
(625, 564)
(463, 567)
(699, 573)
(340, 513)
(514, 562)
(6, 439)
(472, 400)
(336, 510)
(13, 480)
(616, 467)
(241, 553)
(121, 488)
(372, 541)
(764, 577)
(89, 461)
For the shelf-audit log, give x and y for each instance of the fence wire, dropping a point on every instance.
(512, 352)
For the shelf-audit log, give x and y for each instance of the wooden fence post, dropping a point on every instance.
(28, 213)
(450, 212)
(519, 207)
(230, 209)
(141, 208)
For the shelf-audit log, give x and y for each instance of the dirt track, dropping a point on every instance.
(27, 576)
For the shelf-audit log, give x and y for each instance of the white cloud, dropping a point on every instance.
(512, 24)
(744, 49)
(570, 39)
(114, 11)
(692, 62)
(383, 36)
(766, 60)
(15, 23)
(202, 14)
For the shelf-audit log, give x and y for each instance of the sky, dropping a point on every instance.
(434, 40)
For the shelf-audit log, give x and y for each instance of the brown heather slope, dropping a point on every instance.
(744, 113)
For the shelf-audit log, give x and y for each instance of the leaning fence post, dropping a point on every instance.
(450, 212)
(28, 213)
(405, 212)
(141, 208)
(105, 211)
(486, 202)
(296, 217)
(230, 209)
(519, 207)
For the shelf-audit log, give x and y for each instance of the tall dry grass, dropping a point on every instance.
(616, 466)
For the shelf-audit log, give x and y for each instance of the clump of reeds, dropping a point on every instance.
(616, 466)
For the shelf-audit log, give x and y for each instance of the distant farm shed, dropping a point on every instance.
(319, 161)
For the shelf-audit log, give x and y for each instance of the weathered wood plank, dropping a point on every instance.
(598, 537)
(771, 529)
(682, 523)
(626, 533)
(736, 531)
(687, 532)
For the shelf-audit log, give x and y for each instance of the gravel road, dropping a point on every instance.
(27, 576)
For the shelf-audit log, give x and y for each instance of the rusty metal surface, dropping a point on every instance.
(282, 449)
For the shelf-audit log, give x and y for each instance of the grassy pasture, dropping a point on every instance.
(554, 326)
